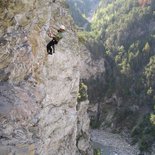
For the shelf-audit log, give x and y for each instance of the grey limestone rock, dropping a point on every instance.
(38, 92)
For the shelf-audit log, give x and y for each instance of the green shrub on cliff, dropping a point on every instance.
(97, 151)
(82, 96)
(152, 119)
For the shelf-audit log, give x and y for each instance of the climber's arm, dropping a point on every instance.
(50, 34)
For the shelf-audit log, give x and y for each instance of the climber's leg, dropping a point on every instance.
(53, 45)
(50, 47)
(49, 50)
(53, 48)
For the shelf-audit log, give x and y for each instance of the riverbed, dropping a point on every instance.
(112, 144)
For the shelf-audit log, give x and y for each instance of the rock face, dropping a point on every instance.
(83, 136)
(38, 92)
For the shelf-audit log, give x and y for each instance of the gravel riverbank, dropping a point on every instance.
(112, 144)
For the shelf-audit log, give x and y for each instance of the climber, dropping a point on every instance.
(55, 39)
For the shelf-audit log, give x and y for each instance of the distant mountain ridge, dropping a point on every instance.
(80, 10)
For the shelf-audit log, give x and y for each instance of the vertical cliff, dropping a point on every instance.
(38, 92)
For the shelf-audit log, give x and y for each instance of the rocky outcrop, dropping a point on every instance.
(38, 92)
(83, 136)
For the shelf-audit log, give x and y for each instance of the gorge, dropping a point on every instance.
(104, 66)
(122, 96)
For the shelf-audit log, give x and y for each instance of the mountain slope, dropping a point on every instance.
(123, 33)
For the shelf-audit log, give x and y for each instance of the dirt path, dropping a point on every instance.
(112, 144)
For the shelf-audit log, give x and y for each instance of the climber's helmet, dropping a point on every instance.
(62, 27)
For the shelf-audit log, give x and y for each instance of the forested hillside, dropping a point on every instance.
(123, 32)
(127, 33)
